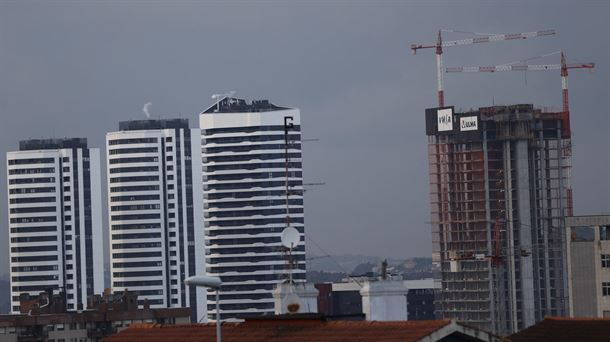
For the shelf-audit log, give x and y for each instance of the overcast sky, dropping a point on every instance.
(77, 68)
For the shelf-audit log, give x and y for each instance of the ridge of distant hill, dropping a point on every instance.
(348, 263)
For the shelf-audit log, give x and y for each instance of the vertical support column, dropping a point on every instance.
(525, 233)
(510, 243)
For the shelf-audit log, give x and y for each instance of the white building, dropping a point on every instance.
(245, 202)
(155, 208)
(589, 265)
(55, 216)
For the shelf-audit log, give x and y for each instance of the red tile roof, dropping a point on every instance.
(566, 329)
(296, 330)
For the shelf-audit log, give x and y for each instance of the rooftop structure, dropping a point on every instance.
(52, 144)
(374, 299)
(234, 105)
(153, 124)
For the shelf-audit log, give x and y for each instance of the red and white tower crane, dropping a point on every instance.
(563, 67)
(487, 38)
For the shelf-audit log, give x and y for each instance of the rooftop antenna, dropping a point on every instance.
(220, 97)
(290, 236)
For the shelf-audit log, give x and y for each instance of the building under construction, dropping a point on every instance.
(499, 192)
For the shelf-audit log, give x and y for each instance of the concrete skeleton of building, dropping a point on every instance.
(55, 216)
(244, 179)
(589, 265)
(155, 212)
(499, 192)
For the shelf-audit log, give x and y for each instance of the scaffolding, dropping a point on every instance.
(498, 198)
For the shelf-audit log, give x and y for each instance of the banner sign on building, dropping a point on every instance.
(445, 119)
(469, 123)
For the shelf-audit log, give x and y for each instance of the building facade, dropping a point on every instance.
(55, 215)
(499, 192)
(244, 180)
(155, 212)
(589, 265)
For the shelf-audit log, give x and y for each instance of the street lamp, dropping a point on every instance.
(212, 283)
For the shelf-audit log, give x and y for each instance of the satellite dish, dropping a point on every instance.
(290, 237)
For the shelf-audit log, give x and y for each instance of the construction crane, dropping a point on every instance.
(487, 38)
(495, 257)
(563, 67)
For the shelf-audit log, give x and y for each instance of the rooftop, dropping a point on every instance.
(140, 125)
(235, 105)
(52, 144)
(565, 329)
(305, 329)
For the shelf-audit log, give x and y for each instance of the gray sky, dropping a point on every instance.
(76, 68)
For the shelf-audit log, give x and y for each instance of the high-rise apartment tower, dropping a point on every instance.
(156, 212)
(244, 179)
(55, 220)
(499, 192)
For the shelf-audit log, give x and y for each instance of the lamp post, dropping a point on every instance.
(212, 283)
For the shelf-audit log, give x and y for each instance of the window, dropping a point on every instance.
(604, 232)
(606, 288)
(606, 260)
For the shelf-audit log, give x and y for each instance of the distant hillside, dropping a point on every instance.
(339, 263)
(410, 268)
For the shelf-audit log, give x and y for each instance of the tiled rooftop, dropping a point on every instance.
(559, 329)
(284, 330)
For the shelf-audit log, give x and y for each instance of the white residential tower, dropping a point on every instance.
(55, 220)
(155, 208)
(244, 174)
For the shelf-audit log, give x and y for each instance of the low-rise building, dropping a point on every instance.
(44, 318)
